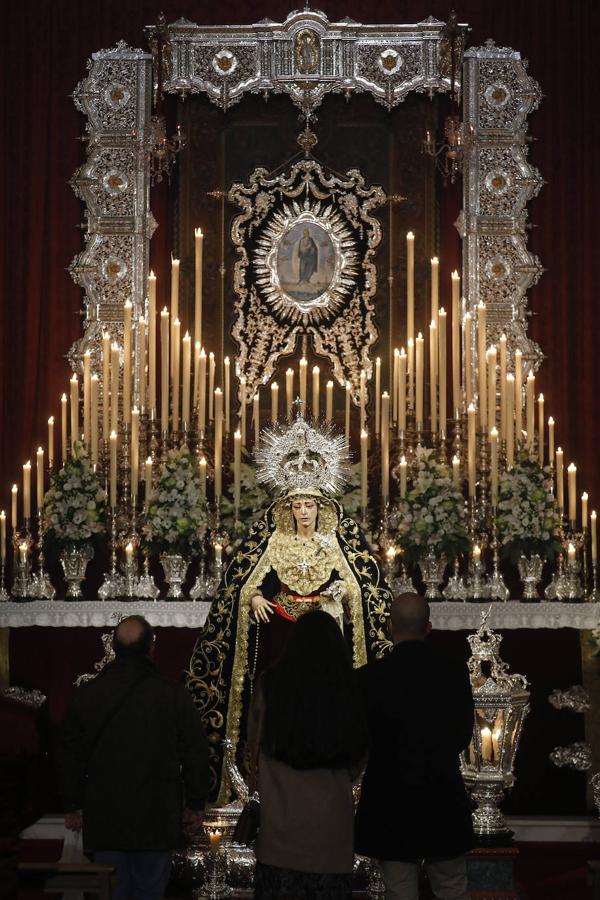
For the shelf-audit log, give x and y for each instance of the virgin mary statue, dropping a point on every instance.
(303, 554)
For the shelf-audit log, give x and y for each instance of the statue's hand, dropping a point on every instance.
(261, 608)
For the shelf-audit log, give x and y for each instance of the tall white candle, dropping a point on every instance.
(152, 342)
(348, 387)
(402, 385)
(175, 372)
(560, 479)
(471, 449)
(186, 380)
(315, 391)
(410, 369)
(39, 466)
(364, 463)
(494, 464)
(442, 364)
(127, 314)
(468, 357)
(503, 370)
(51, 441)
(435, 288)
(584, 511)
(142, 380)
(218, 441)
(256, 418)
(87, 397)
(385, 446)
(519, 397)
(113, 469)
(174, 288)
(303, 381)
(378, 390)
(594, 535)
(197, 349)
(94, 420)
(551, 440)
(211, 386)
(403, 477)
(510, 429)
(147, 481)
(329, 401)
(14, 519)
(63, 427)
(198, 245)
(115, 364)
(202, 391)
(202, 468)
(433, 375)
(274, 402)
(419, 381)
(363, 399)
(456, 471)
(237, 464)
(164, 369)
(530, 406)
(243, 409)
(456, 396)
(105, 386)
(227, 394)
(572, 480)
(541, 428)
(410, 286)
(74, 412)
(491, 385)
(481, 367)
(135, 452)
(2, 535)
(289, 392)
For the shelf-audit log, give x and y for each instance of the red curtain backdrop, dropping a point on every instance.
(45, 47)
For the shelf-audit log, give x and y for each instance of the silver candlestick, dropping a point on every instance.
(476, 586)
(4, 595)
(22, 582)
(41, 584)
(456, 588)
(113, 584)
(496, 588)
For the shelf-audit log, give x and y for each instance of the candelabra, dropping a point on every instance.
(4, 595)
(41, 586)
(113, 584)
(476, 586)
(22, 582)
(146, 587)
(594, 596)
(496, 588)
(456, 588)
(398, 582)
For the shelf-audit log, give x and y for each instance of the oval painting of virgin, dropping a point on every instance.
(305, 262)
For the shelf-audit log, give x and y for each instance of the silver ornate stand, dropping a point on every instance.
(432, 571)
(456, 588)
(41, 585)
(22, 586)
(74, 561)
(477, 588)
(146, 587)
(530, 572)
(175, 569)
(215, 885)
(4, 595)
(113, 583)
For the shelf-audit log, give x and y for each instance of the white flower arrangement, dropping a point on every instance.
(432, 516)
(527, 519)
(75, 504)
(177, 514)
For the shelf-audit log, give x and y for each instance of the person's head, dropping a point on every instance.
(305, 511)
(133, 638)
(409, 618)
(314, 717)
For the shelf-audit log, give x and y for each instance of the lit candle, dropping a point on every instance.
(237, 470)
(510, 428)
(476, 553)
(148, 481)
(456, 471)
(113, 469)
(14, 520)
(2, 535)
(435, 288)
(87, 398)
(274, 402)
(256, 418)
(164, 369)
(468, 356)
(560, 483)
(51, 439)
(432, 375)
(486, 745)
(303, 378)
(481, 346)
(152, 341)
(584, 511)
(174, 288)
(503, 369)
(456, 398)
(329, 401)
(39, 460)
(211, 386)
(494, 465)
(410, 368)
(541, 424)
(202, 391)
(197, 349)
(214, 837)
(410, 286)
(364, 461)
(23, 550)
(227, 395)
(550, 439)
(186, 383)
(403, 476)
(198, 244)
(74, 412)
(142, 362)
(419, 382)
(105, 385)
(385, 446)
(519, 396)
(402, 392)
(27, 490)
(471, 449)
(530, 408)
(363, 399)
(219, 554)
(135, 452)
(347, 387)
(175, 372)
(571, 552)
(129, 554)
(491, 383)
(202, 468)
(127, 313)
(289, 392)
(594, 538)
(315, 391)
(378, 391)
(243, 409)
(218, 441)
(114, 386)
(442, 329)
(63, 427)
(572, 481)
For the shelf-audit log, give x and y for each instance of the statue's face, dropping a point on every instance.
(305, 511)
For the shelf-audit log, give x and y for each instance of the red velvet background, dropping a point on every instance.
(45, 48)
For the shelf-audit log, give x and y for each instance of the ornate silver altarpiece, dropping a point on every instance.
(307, 57)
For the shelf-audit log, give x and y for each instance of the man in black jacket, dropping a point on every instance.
(413, 804)
(132, 745)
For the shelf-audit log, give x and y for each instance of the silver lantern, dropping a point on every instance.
(501, 704)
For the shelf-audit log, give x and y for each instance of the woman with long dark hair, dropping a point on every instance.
(308, 730)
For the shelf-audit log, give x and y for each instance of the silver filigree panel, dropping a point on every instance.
(498, 182)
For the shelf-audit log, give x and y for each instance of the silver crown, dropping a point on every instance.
(301, 457)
